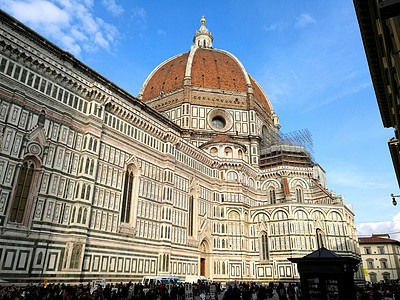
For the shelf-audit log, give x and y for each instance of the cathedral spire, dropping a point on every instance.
(203, 37)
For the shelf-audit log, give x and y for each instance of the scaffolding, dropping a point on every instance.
(302, 138)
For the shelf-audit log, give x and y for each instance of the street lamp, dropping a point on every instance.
(394, 202)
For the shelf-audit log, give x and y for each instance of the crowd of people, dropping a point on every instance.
(176, 291)
(389, 290)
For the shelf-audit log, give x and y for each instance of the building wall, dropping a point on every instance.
(94, 183)
(381, 261)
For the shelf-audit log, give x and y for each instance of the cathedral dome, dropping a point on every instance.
(203, 68)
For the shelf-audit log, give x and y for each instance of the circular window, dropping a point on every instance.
(218, 122)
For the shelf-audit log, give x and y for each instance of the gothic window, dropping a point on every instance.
(91, 167)
(127, 197)
(84, 216)
(75, 257)
(73, 215)
(81, 165)
(87, 166)
(83, 191)
(23, 187)
(272, 196)
(191, 212)
(77, 190)
(264, 250)
(88, 192)
(299, 195)
(39, 258)
(79, 215)
(65, 258)
(320, 238)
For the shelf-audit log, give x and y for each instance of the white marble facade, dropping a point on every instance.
(95, 184)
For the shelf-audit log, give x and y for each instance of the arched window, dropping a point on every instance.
(91, 167)
(73, 215)
(39, 258)
(264, 250)
(75, 257)
(228, 152)
(251, 182)
(81, 165)
(88, 192)
(84, 216)
(272, 196)
(240, 154)
(320, 238)
(127, 197)
(232, 176)
(191, 216)
(384, 264)
(83, 191)
(23, 187)
(214, 151)
(77, 190)
(87, 166)
(65, 258)
(370, 263)
(299, 195)
(79, 215)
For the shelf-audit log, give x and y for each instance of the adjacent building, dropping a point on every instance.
(381, 257)
(192, 177)
(379, 22)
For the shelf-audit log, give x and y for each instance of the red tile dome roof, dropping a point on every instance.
(203, 67)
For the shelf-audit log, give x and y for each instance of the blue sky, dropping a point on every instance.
(307, 55)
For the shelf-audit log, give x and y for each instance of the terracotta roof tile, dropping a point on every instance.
(213, 69)
(169, 77)
(376, 239)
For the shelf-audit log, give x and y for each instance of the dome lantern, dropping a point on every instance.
(203, 38)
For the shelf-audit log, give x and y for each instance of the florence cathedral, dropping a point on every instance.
(191, 177)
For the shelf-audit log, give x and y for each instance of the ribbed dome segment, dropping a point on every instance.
(259, 94)
(166, 78)
(215, 69)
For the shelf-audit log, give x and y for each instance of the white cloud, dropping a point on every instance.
(161, 32)
(303, 20)
(392, 227)
(68, 23)
(139, 12)
(113, 7)
(40, 12)
(273, 27)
